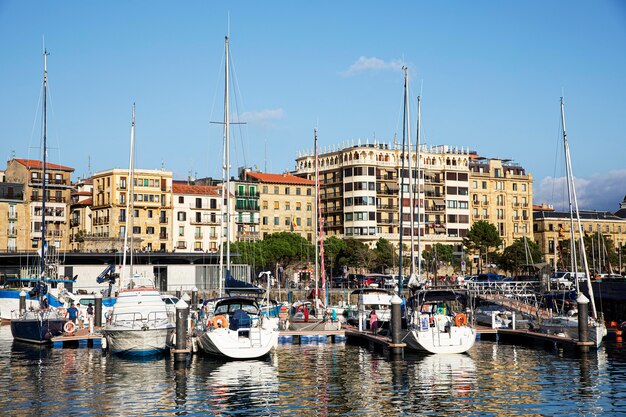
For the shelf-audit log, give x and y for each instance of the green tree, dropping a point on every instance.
(607, 252)
(515, 256)
(285, 247)
(383, 255)
(482, 237)
(356, 255)
(333, 246)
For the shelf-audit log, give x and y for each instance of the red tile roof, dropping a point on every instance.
(279, 178)
(86, 202)
(179, 188)
(36, 164)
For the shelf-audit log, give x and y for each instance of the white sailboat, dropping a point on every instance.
(238, 330)
(435, 321)
(139, 324)
(568, 324)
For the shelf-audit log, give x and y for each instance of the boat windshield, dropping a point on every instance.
(232, 307)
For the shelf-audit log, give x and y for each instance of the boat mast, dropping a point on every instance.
(227, 155)
(570, 179)
(43, 182)
(317, 222)
(404, 123)
(418, 145)
(129, 201)
(410, 167)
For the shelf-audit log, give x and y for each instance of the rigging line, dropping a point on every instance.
(237, 97)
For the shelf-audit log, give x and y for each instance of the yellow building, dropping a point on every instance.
(13, 212)
(501, 193)
(553, 227)
(286, 204)
(150, 217)
(80, 213)
(29, 173)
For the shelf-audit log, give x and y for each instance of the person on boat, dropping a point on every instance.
(373, 322)
(306, 314)
(333, 315)
(90, 317)
(72, 313)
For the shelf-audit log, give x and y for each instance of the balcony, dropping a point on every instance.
(12, 231)
(247, 207)
(49, 182)
(248, 235)
(12, 215)
(203, 222)
(246, 194)
(101, 220)
(74, 222)
(51, 198)
(387, 207)
(163, 220)
(181, 245)
(198, 236)
(163, 235)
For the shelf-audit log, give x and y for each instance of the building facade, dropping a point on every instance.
(150, 216)
(362, 187)
(501, 194)
(285, 203)
(13, 212)
(29, 173)
(197, 217)
(552, 228)
(80, 213)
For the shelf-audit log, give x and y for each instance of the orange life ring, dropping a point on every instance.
(69, 327)
(283, 312)
(460, 320)
(220, 321)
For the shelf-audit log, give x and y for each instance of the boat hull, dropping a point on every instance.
(39, 330)
(238, 344)
(568, 326)
(139, 342)
(313, 325)
(455, 340)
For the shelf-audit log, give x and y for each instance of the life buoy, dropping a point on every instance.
(283, 312)
(220, 321)
(69, 327)
(460, 320)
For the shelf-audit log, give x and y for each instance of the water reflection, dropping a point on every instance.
(493, 379)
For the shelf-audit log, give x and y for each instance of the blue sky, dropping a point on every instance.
(490, 75)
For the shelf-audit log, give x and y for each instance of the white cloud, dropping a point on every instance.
(599, 192)
(364, 64)
(262, 117)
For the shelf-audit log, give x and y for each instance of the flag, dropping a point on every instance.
(293, 223)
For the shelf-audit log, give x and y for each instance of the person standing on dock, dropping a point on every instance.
(72, 313)
(373, 322)
(90, 317)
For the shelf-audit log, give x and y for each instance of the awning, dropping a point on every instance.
(429, 188)
(438, 202)
(393, 187)
(439, 229)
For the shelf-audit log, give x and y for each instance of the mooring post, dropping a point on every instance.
(97, 311)
(187, 299)
(194, 298)
(182, 310)
(361, 317)
(583, 322)
(178, 293)
(22, 302)
(396, 345)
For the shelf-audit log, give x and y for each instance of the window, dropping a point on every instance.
(265, 189)
(287, 206)
(474, 184)
(181, 200)
(265, 221)
(523, 187)
(181, 230)
(309, 191)
(287, 191)
(182, 216)
(276, 205)
(298, 206)
(484, 185)
(135, 213)
(276, 190)
(137, 229)
(197, 246)
(276, 221)
(514, 186)
(149, 230)
(298, 191)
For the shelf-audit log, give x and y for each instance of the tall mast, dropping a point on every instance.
(404, 123)
(573, 260)
(43, 183)
(410, 166)
(227, 155)
(570, 177)
(418, 145)
(316, 221)
(130, 204)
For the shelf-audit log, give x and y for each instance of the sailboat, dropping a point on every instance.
(312, 315)
(436, 322)
(567, 324)
(139, 324)
(40, 324)
(238, 329)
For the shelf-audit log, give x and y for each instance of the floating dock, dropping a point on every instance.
(79, 338)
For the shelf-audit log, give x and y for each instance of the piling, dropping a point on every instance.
(194, 297)
(178, 294)
(182, 311)
(396, 346)
(22, 302)
(583, 322)
(98, 310)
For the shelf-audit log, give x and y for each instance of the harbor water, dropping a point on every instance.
(494, 379)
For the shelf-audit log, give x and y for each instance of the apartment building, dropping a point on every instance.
(29, 173)
(13, 212)
(360, 189)
(501, 194)
(197, 217)
(150, 215)
(81, 201)
(552, 227)
(247, 216)
(286, 203)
